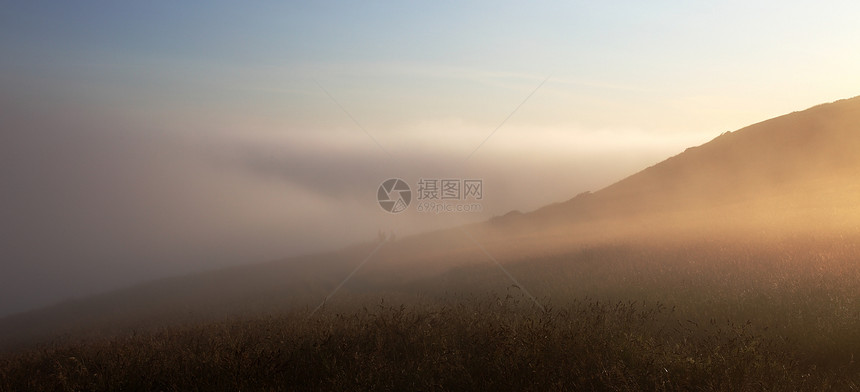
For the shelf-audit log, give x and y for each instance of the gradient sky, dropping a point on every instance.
(151, 138)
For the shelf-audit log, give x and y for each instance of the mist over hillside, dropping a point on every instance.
(791, 176)
(429, 196)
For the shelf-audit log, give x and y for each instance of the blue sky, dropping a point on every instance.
(729, 63)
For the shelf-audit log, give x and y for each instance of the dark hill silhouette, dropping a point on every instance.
(788, 171)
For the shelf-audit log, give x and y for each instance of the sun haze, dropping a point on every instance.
(468, 185)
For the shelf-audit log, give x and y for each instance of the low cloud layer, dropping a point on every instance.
(94, 201)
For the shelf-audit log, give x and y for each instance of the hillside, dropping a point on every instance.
(782, 166)
(798, 168)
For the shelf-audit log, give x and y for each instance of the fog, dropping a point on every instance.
(154, 139)
(94, 200)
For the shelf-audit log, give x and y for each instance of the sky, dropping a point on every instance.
(141, 140)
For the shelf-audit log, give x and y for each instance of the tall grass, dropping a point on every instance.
(482, 344)
(623, 317)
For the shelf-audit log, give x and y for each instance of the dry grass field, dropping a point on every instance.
(712, 315)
